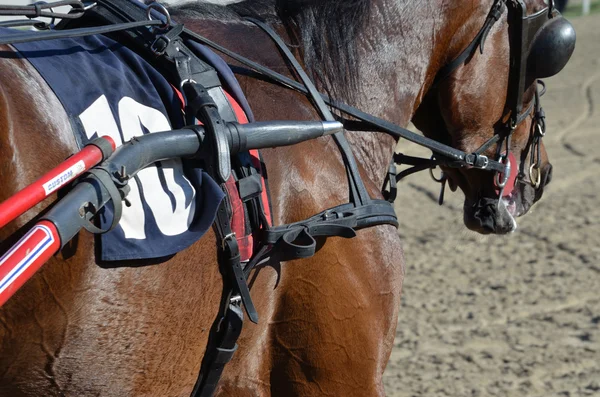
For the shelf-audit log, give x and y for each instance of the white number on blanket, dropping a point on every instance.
(171, 207)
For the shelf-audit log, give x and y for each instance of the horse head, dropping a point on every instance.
(493, 92)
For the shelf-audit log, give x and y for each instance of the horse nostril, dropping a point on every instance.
(547, 174)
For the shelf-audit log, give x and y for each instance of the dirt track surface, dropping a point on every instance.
(519, 315)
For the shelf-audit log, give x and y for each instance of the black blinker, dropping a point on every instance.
(551, 49)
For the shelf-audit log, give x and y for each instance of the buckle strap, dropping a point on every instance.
(229, 328)
(162, 42)
(296, 240)
(229, 258)
(493, 17)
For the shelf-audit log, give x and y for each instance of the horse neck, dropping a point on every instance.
(402, 47)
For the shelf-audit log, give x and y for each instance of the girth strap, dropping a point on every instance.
(230, 259)
(221, 350)
(227, 328)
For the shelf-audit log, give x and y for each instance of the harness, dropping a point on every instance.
(151, 31)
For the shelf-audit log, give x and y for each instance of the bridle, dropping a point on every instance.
(532, 39)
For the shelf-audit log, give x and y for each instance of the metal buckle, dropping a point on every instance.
(164, 38)
(230, 236)
(187, 81)
(480, 161)
(485, 161)
(235, 300)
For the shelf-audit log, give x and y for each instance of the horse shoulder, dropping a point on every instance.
(327, 316)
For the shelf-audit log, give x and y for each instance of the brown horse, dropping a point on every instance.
(327, 323)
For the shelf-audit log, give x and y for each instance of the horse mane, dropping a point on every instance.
(325, 30)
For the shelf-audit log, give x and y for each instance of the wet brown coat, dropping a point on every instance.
(327, 323)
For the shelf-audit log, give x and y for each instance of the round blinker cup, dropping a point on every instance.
(551, 49)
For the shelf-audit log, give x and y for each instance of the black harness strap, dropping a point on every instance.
(81, 32)
(220, 352)
(222, 345)
(479, 40)
(358, 191)
(40, 9)
(206, 101)
(296, 240)
(231, 260)
(374, 123)
(201, 104)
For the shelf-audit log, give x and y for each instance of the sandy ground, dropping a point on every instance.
(516, 315)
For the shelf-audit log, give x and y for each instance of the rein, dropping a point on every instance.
(445, 154)
(39, 10)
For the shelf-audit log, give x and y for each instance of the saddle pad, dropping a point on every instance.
(106, 89)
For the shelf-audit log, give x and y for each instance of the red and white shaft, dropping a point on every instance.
(66, 172)
(26, 257)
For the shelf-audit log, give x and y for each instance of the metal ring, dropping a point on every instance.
(538, 180)
(161, 9)
(230, 236)
(187, 81)
(541, 130)
(503, 160)
(441, 178)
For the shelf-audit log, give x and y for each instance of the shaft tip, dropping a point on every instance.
(331, 127)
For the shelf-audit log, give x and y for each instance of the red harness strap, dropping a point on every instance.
(238, 217)
(238, 222)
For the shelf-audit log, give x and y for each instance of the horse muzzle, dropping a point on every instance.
(494, 215)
